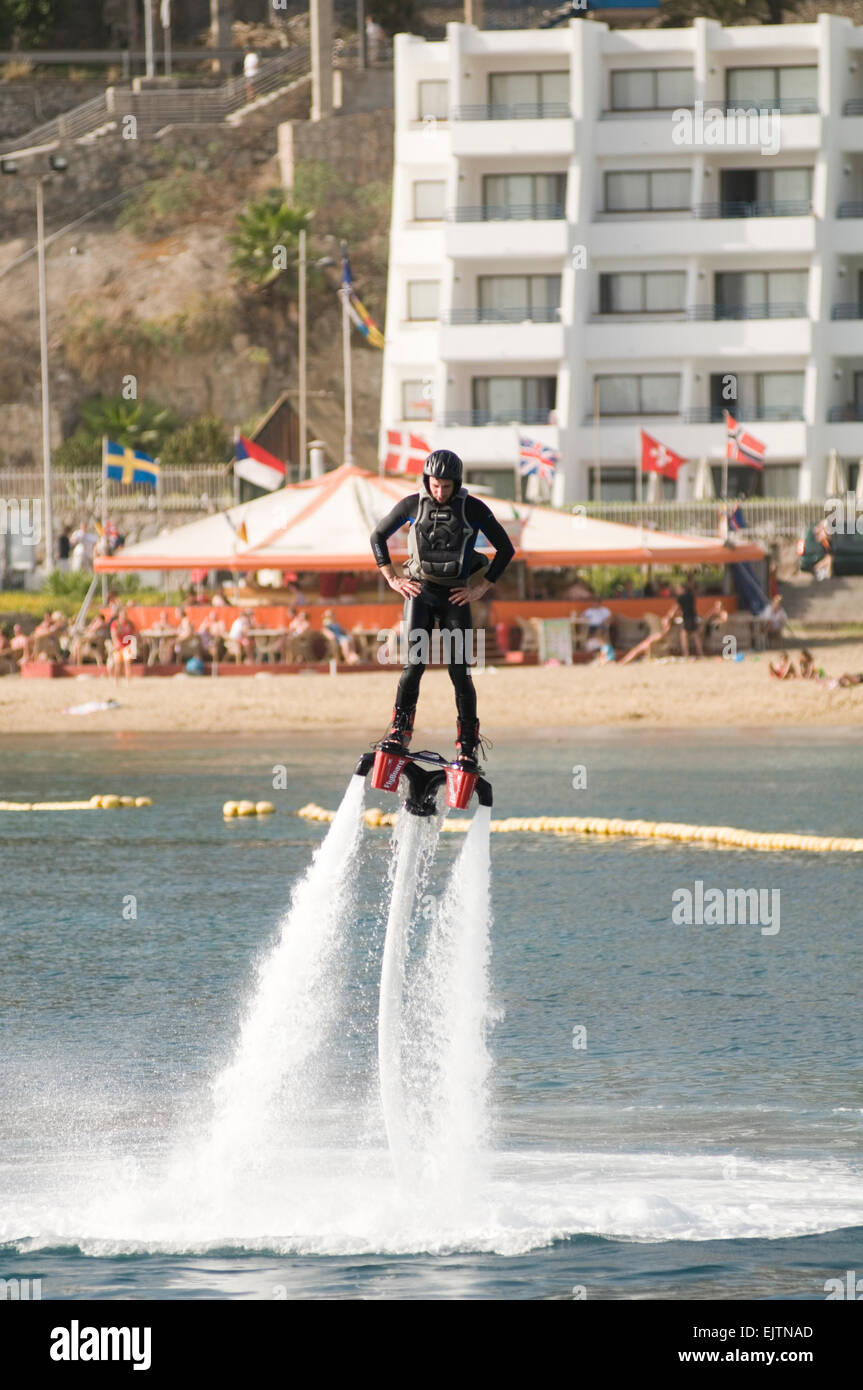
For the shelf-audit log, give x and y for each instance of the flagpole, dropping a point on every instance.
(597, 453)
(349, 404)
(166, 34)
(104, 513)
(302, 357)
(725, 460)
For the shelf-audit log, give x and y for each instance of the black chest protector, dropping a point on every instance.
(439, 538)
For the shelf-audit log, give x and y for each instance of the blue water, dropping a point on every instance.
(704, 1143)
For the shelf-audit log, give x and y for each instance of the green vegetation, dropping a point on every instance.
(15, 601)
(676, 13)
(97, 346)
(25, 23)
(143, 425)
(266, 241)
(177, 199)
(135, 424)
(205, 440)
(342, 209)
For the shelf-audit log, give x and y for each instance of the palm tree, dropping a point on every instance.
(266, 242)
(134, 424)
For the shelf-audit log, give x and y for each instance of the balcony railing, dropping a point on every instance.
(789, 106)
(642, 113)
(850, 210)
(519, 111)
(511, 212)
(848, 310)
(853, 107)
(533, 314)
(715, 414)
(706, 313)
(849, 412)
(523, 416)
(786, 207)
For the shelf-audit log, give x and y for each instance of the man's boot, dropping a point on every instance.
(401, 728)
(466, 743)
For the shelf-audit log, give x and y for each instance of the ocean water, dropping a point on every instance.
(580, 1096)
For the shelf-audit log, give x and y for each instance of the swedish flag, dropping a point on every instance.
(126, 465)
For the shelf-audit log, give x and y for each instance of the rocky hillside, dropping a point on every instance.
(145, 288)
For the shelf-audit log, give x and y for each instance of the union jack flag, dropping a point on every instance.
(534, 457)
(742, 447)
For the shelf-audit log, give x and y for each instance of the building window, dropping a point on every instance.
(759, 396)
(513, 298)
(766, 186)
(642, 292)
(796, 85)
(500, 481)
(653, 190)
(528, 94)
(649, 394)
(781, 480)
(429, 198)
(524, 399)
(416, 400)
(613, 485)
(423, 297)
(652, 89)
(433, 101)
(775, 292)
(534, 195)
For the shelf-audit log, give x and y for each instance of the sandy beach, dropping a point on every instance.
(671, 694)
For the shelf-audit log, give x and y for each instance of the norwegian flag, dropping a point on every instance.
(406, 453)
(537, 458)
(658, 458)
(742, 447)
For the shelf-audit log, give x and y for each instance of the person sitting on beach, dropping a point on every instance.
(20, 644)
(44, 644)
(92, 642)
(343, 640)
(240, 643)
(124, 645)
(806, 668)
(783, 669)
(8, 664)
(212, 634)
(187, 643)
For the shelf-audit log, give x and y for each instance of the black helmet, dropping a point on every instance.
(443, 463)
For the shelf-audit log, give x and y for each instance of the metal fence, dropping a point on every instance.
(766, 517)
(198, 488)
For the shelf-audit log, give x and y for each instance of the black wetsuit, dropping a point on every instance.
(434, 601)
(686, 603)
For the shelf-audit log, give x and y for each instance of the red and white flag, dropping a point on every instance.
(658, 458)
(742, 447)
(406, 453)
(257, 466)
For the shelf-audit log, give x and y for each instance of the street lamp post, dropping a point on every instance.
(47, 518)
(58, 164)
(302, 392)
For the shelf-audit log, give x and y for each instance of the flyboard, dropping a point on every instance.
(388, 765)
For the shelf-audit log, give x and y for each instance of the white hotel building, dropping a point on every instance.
(554, 247)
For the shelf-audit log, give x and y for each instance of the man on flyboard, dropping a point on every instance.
(444, 576)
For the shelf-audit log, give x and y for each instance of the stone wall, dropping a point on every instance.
(360, 147)
(24, 105)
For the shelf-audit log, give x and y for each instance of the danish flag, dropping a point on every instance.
(742, 447)
(658, 458)
(406, 453)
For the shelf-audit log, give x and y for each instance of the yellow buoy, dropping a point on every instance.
(143, 801)
(264, 808)
(246, 808)
(110, 802)
(229, 809)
